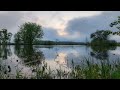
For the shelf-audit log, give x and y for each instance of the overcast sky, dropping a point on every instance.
(61, 25)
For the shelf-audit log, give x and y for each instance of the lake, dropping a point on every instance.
(26, 58)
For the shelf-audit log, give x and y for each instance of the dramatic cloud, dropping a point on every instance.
(61, 25)
(52, 34)
(87, 25)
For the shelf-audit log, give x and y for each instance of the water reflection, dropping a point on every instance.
(5, 51)
(100, 52)
(29, 55)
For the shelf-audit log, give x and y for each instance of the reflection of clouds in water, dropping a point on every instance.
(114, 54)
(15, 63)
(56, 57)
(53, 65)
(61, 58)
(117, 51)
(63, 55)
(50, 54)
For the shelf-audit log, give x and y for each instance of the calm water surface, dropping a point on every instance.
(25, 58)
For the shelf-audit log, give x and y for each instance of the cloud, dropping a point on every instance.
(87, 25)
(79, 28)
(50, 34)
(62, 25)
(9, 19)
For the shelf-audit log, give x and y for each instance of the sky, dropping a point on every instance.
(61, 25)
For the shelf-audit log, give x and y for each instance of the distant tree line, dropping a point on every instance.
(47, 42)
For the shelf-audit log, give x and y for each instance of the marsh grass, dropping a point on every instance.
(88, 69)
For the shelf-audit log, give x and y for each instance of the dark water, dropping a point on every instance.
(25, 58)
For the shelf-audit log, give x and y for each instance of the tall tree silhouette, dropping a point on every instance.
(29, 32)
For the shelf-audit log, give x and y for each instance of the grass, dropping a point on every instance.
(88, 69)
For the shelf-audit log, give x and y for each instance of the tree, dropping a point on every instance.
(9, 35)
(5, 36)
(28, 33)
(101, 37)
(17, 38)
(117, 24)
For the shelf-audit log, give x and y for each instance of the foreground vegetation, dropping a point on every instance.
(88, 69)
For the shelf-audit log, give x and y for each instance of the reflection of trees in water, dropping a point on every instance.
(29, 55)
(9, 51)
(101, 52)
(44, 46)
(5, 69)
(5, 51)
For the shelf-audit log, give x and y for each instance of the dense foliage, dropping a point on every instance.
(101, 37)
(5, 36)
(28, 33)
